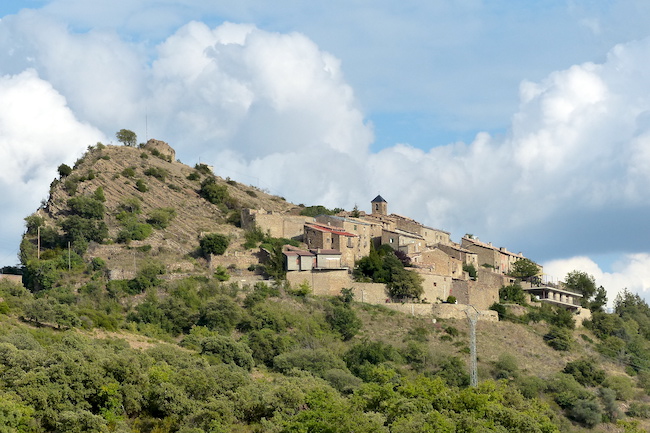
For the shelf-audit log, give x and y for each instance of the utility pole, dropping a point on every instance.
(472, 317)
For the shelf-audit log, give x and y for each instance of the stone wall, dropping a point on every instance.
(322, 283)
(436, 287)
(278, 225)
(457, 311)
(18, 279)
(238, 259)
(480, 293)
(582, 315)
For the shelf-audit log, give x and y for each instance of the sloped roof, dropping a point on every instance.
(378, 199)
(332, 230)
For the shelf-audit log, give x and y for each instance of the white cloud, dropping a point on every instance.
(37, 133)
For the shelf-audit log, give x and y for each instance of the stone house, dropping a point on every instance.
(297, 259)
(409, 243)
(363, 229)
(322, 237)
(440, 263)
(499, 259)
(459, 253)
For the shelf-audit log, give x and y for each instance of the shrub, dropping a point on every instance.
(134, 231)
(471, 270)
(214, 243)
(161, 217)
(193, 176)
(559, 338)
(506, 367)
(316, 361)
(639, 410)
(585, 371)
(157, 172)
(266, 344)
(227, 350)
(86, 207)
(203, 168)
(212, 192)
(369, 352)
(586, 412)
(622, 385)
(221, 274)
(71, 184)
(141, 186)
(453, 371)
(343, 319)
(128, 172)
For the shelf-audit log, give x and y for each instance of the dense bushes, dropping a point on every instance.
(382, 266)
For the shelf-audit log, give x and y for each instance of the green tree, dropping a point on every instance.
(581, 282)
(512, 294)
(127, 137)
(524, 269)
(214, 243)
(64, 170)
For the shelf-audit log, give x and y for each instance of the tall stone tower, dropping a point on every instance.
(379, 206)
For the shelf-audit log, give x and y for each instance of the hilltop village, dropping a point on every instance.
(336, 242)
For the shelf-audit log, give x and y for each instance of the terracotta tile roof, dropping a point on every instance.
(333, 230)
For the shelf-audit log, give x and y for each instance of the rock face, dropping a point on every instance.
(162, 147)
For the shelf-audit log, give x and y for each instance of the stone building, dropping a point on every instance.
(277, 224)
(331, 238)
(356, 226)
(379, 206)
(499, 259)
(457, 252)
(409, 243)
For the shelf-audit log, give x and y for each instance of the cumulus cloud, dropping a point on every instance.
(37, 133)
(236, 87)
(275, 110)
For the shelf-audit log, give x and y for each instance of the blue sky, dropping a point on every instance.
(523, 123)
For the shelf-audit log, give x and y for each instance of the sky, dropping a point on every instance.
(526, 124)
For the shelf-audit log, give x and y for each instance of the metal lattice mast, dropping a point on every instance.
(472, 317)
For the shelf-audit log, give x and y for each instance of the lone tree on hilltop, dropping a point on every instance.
(126, 137)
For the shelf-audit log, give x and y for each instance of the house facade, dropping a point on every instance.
(321, 237)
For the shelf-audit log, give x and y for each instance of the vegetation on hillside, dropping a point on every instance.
(85, 351)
